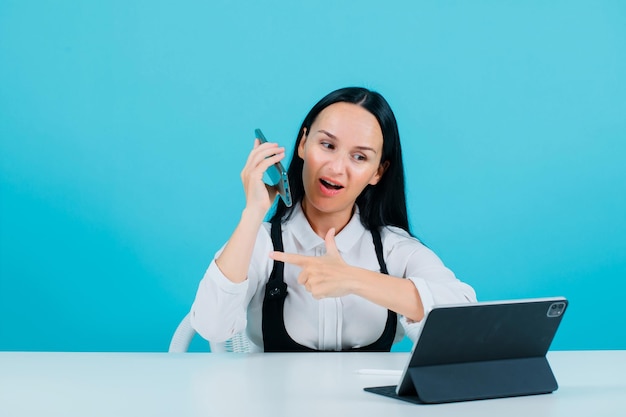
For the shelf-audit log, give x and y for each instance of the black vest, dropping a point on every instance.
(275, 336)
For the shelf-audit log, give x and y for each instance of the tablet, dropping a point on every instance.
(481, 350)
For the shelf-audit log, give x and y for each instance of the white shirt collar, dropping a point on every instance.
(303, 232)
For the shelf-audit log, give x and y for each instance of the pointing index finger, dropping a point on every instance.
(290, 258)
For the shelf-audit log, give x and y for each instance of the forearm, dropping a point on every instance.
(235, 258)
(396, 294)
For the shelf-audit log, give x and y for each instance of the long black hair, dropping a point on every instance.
(383, 204)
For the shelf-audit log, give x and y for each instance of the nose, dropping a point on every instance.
(337, 164)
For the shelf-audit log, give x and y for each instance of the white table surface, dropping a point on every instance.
(592, 383)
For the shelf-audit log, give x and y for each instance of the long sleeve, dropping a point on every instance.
(220, 308)
(218, 312)
(436, 284)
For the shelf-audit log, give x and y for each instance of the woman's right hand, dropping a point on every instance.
(259, 196)
(235, 258)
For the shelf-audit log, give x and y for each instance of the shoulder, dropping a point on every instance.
(400, 245)
(408, 255)
(393, 236)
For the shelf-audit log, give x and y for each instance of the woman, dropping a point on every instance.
(339, 269)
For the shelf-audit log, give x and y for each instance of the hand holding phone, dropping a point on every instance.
(276, 175)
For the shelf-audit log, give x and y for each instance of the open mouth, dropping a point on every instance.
(330, 185)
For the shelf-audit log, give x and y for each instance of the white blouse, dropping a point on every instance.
(223, 308)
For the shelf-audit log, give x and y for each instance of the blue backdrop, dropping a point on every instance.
(124, 126)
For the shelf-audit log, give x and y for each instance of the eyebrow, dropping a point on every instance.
(362, 148)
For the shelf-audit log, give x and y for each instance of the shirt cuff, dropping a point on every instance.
(428, 302)
(411, 327)
(224, 283)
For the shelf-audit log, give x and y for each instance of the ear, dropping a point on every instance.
(301, 144)
(382, 168)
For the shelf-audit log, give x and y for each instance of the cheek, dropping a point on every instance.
(366, 174)
(307, 171)
(312, 162)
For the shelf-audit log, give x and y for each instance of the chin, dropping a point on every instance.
(328, 205)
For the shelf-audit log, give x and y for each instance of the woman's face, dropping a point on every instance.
(341, 154)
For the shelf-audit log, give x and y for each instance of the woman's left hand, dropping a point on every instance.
(323, 276)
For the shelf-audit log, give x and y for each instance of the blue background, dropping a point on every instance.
(124, 126)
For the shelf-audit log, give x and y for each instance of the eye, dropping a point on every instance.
(359, 157)
(327, 145)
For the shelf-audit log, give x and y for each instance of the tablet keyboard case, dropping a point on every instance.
(482, 351)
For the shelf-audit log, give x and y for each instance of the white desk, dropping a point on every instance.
(257, 385)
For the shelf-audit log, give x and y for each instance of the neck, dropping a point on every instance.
(321, 222)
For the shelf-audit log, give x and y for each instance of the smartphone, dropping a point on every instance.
(276, 175)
